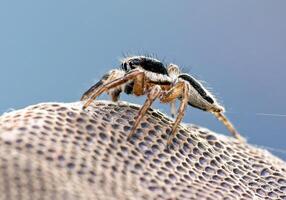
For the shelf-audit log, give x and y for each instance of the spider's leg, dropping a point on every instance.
(180, 89)
(173, 108)
(221, 117)
(88, 93)
(114, 83)
(139, 82)
(151, 96)
(115, 95)
(138, 88)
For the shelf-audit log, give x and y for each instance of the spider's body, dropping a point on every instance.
(140, 75)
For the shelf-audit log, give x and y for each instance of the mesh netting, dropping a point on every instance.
(58, 151)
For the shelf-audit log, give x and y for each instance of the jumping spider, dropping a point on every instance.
(140, 75)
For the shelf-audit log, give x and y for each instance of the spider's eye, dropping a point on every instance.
(132, 65)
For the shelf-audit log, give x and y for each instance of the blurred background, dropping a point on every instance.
(55, 50)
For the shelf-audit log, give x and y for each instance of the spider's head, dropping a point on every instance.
(145, 63)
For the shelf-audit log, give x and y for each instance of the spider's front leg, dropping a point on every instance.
(104, 79)
(151, 96)
(94, 93)
(182, 89)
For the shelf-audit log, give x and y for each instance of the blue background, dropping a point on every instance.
(55, 50)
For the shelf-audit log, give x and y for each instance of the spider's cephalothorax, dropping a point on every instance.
(136, 75)
(155, 73)
(146, 63)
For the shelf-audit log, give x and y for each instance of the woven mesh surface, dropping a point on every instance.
(58, 151)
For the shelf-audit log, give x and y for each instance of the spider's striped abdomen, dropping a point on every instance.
(200, 97)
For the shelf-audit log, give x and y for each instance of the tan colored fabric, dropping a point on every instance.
(58, 151)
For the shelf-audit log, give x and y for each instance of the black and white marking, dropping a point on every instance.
(200, 97)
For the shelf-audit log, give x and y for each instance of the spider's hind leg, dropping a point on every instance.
(221, 117)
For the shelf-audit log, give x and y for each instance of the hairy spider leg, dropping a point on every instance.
(182, 88)
(139, 83)
(151, 97)
(222, 118)
(114, 83)
(110, 76)
(174, 72)
(173, 108)
(89, 92)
